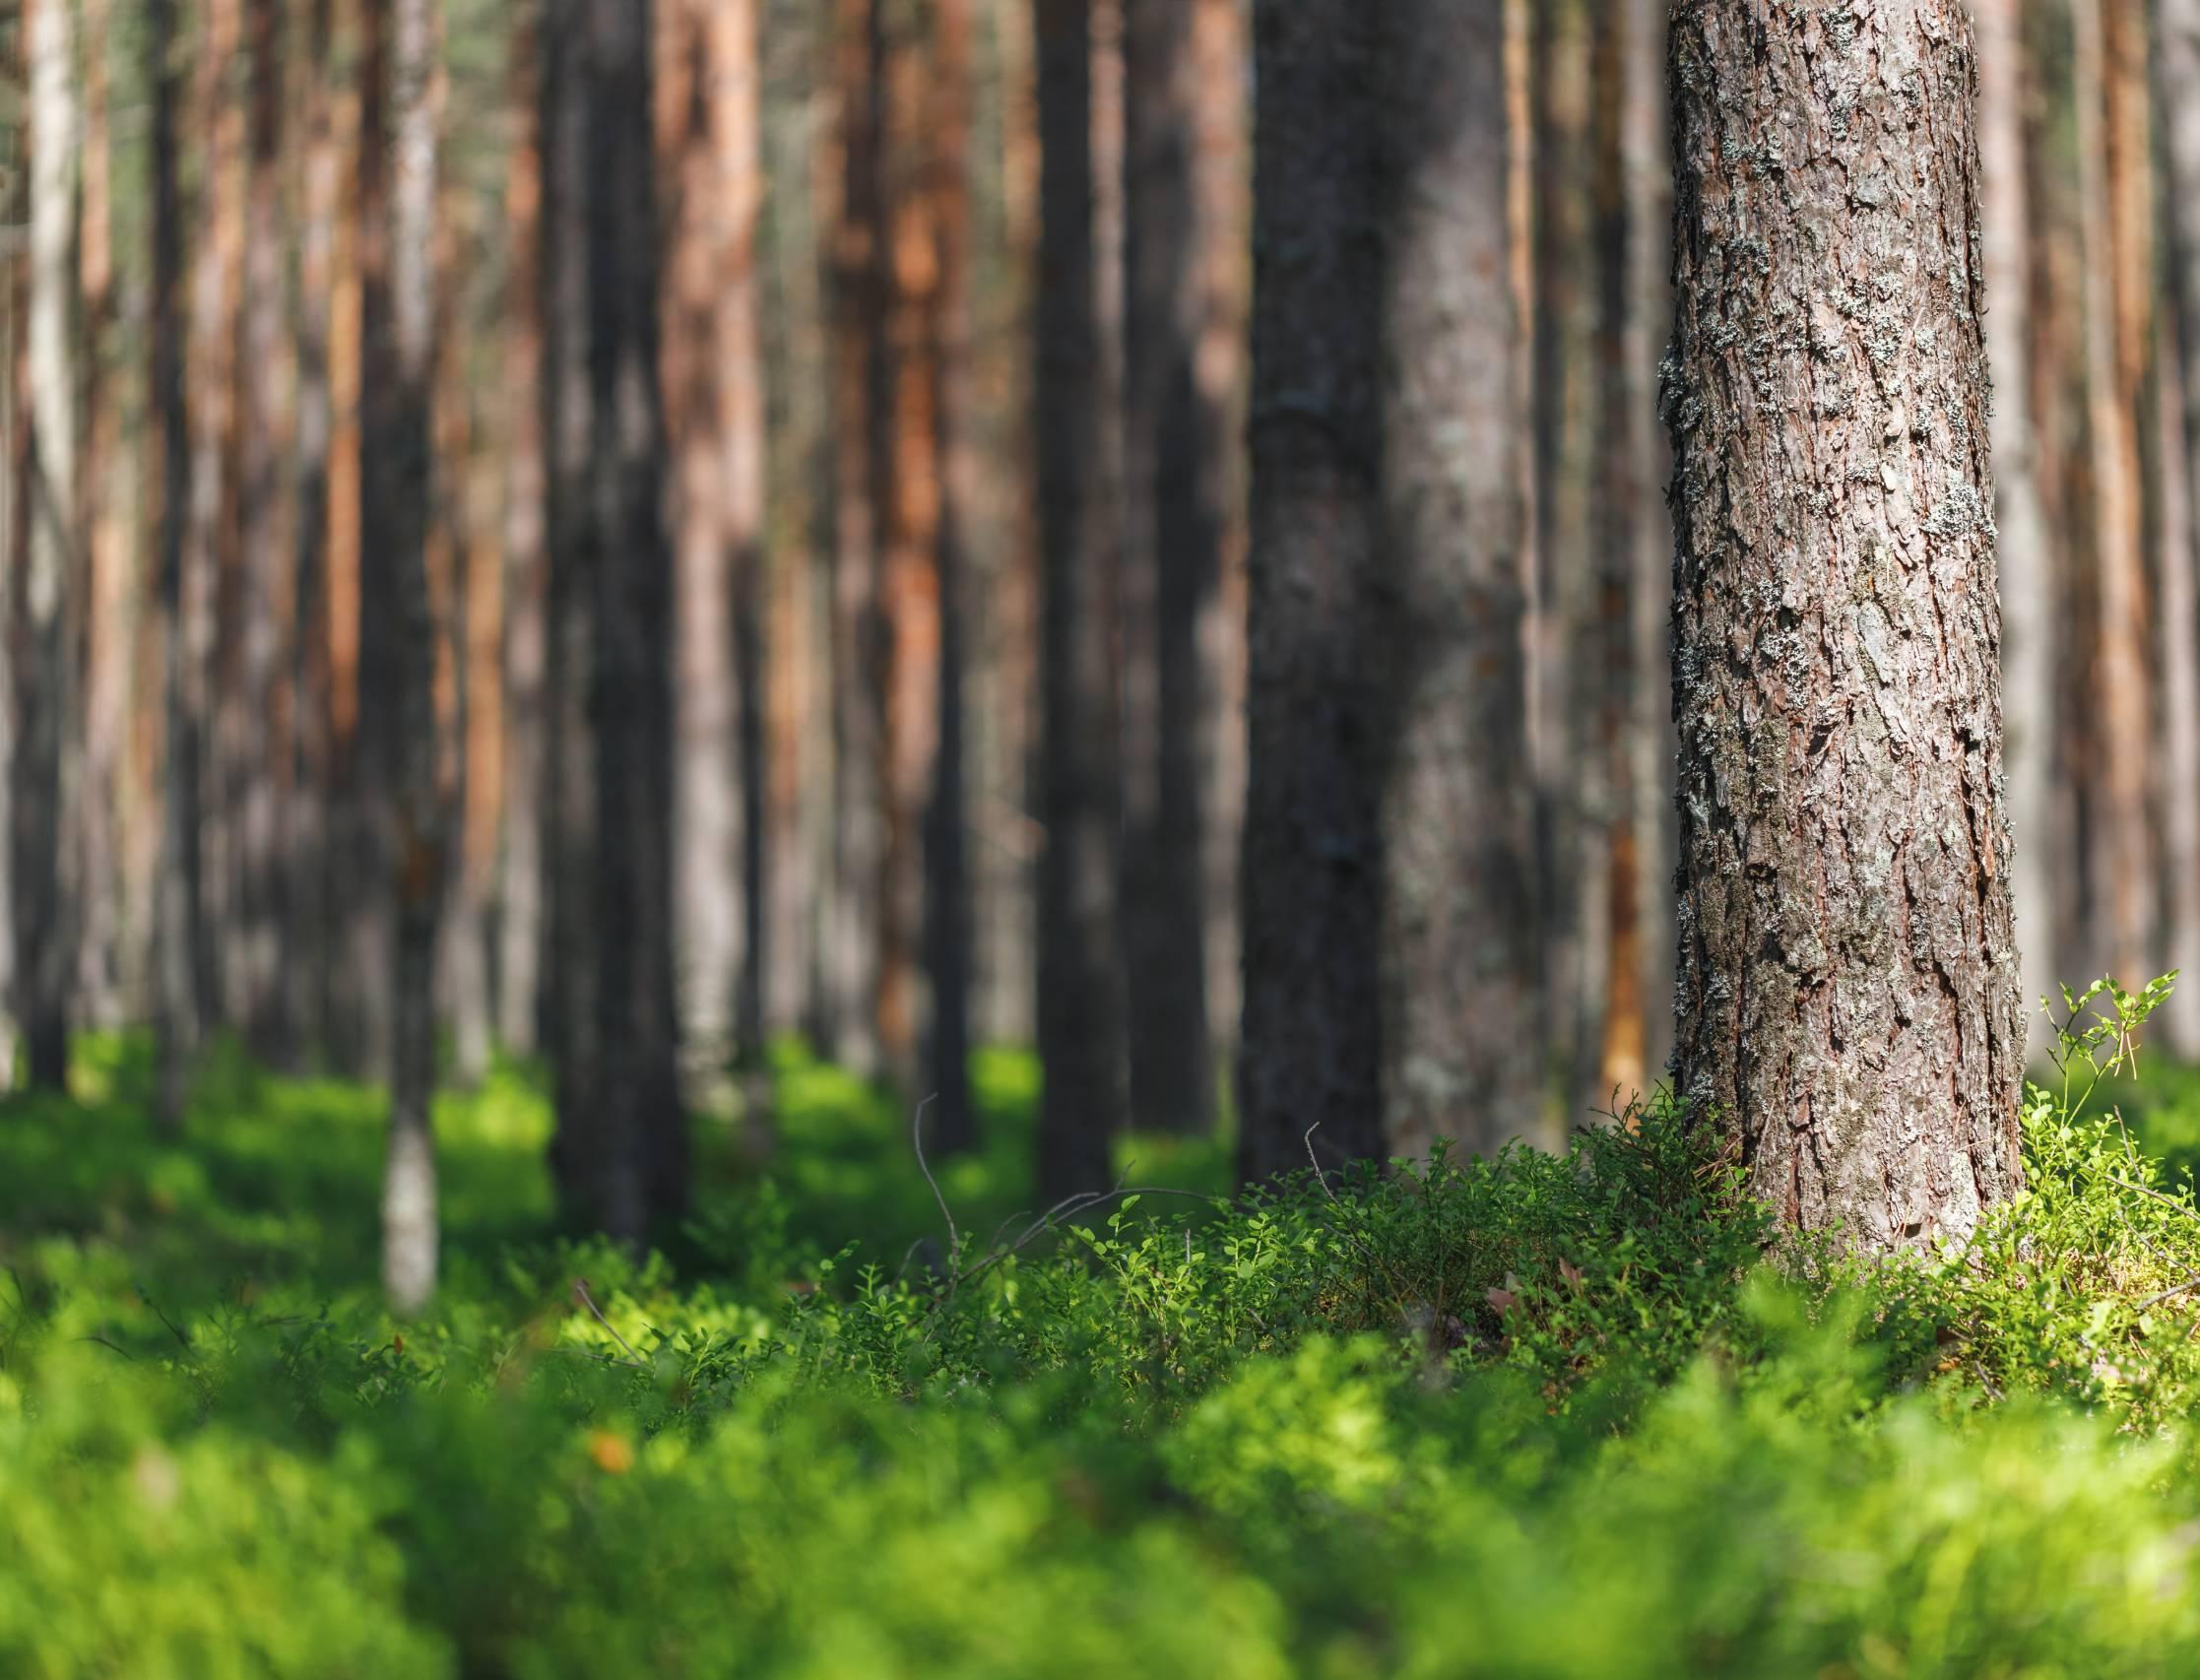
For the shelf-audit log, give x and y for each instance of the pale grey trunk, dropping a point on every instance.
(409, 1222)
(1848, 996)
(40, 874)
(2178, 658)
(2028, 582)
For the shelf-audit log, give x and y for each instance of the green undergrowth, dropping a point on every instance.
(1546, 1415)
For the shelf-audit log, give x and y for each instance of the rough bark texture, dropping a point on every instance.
(1848, 996)
(46, 585)
(1174, 439)
(2177, 67)
(1390, 888)
(1079, 1003)
(2022, 546)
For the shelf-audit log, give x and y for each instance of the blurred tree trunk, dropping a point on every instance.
(851, 942)
(111, 598)
(398, 148)
(2028, 611)
(1389, 888)
(621, 1148)
(1848, 998)
(946, 886)
(304, 935)
(522, 888)
(2177, 654)
(181, 931)
(714, 424)
(213, 604)
(2178, 70)
(1079, 1003)
(265, 616)
(2117, 208)
(47, 585)
(1174, 441)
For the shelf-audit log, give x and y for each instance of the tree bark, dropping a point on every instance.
(46, 588)
(1174, 439)
(1080, 1003)
(1847, 997)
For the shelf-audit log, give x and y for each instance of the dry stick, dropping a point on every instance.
(581, 1294)
(2184, 1208)
(917, 1142)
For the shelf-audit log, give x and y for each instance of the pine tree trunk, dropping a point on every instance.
(47, 585)
(522, 890)
(2115, 212)
(1847, 999)
(851, 942)
(1390, 885)
(621, 1147)
(947, 908)
(1172, 429)
(401, 366)
(1080, 1003)
(181, 931)
(2021, 542)
(2178, 69)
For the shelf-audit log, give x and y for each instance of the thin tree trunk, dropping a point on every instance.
(946, 882)
(2177, 653)
(522, 889)
(2110, 154)
(2178, 69)
(46, 586)
(1079, 1003)
(180, 933)
(1847, 999)
(1174, 436)
(2022, 544)
(262, 400)
(111, 594)
(851, 942)
(401, 332)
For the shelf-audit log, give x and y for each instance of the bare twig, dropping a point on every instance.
(917, 1142)
(581, 1294)
(2184, 1208)
(2192, 1282)
(1320, 1177)
(103, 1342)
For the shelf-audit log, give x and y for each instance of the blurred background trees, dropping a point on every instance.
(619, 530)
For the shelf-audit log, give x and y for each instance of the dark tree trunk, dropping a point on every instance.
(180, 932)
(1390, 891)
(620, 1150)
(1079, 1003)
(1848, 995)
(1174, 441)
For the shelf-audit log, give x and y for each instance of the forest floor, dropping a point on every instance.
(1553, 1415)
